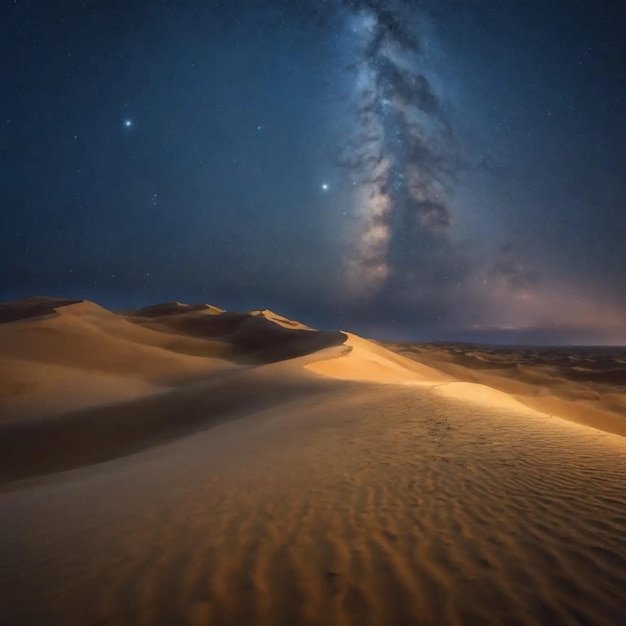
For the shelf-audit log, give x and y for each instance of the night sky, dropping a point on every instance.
(402, 169)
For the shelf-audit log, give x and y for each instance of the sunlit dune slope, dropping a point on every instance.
(364, 360)
(367, 361)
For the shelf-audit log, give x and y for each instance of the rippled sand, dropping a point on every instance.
(369, 504)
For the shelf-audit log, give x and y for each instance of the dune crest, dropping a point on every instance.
(174, 308)
(280, 320)
(368, 362)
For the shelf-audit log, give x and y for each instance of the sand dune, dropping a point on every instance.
(63, 355)
(585, 385)
(253, 471)
(57, 355)
(366, 361)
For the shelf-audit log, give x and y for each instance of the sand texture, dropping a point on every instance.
(288, 477)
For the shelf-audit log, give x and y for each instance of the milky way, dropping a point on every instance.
(398, 150)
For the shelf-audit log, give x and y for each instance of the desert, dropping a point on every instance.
(312, 313)
(185, 465)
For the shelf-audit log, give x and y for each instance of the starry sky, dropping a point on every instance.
(425, 170)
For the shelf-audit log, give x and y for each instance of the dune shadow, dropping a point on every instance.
(87, 436)
(252, 338)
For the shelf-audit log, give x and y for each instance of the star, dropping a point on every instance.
(128, 123)
(324, 186)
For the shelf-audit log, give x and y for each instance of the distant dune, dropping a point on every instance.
(57, 355)
(181, 464)
(585, 385)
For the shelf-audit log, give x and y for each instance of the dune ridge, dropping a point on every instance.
(50, 344)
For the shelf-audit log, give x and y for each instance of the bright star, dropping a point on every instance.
(128, 123)
(325, 187)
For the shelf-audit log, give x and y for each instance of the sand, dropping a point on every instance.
(364, 361)
(59, 355)
(281, 492)
(582, 384)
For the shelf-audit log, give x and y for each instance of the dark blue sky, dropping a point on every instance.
(424, 170)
